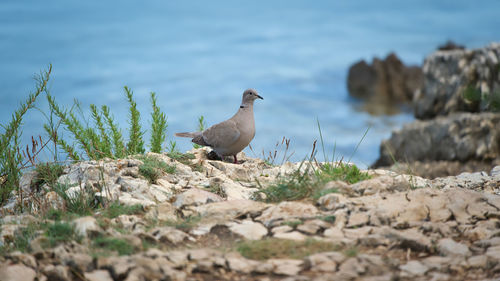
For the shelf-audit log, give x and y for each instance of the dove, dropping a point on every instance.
(229, 137)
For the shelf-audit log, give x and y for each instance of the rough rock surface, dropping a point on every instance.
(457, 137)
(386, 81)
(459, 87)
(449, 72)
(390, 227)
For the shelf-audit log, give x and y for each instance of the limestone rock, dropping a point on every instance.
(17, 272)
(331, 201)
(294, 235)
(334, 233)
(493, 253)
(478, 261)
(358, 219)
(170, 235)
(286, 211)
(195, 196)
(57, 272)
(448, 74)
(87, 226)
(413, 268)
(248, 229)
(286, 266)
(312, 227)
(238, 263)
(449, 247)
(461, 136)
(162, 212)
(26, 259)
(98, 275)
(381, 184)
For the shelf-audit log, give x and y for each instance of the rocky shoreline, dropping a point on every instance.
(389, 227)
(433, 213)
(458, 107)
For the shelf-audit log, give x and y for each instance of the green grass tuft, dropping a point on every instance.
(217, 189)
(47, 173)
(153, 168)
(58, 215)
(351, 252)
(60, 232)
(121, 246)
(340, 171)
(185, 158)
(305, 184)
(293, 223)
(116, 209)
(22, 239)
(81, 202)
(330, 219)
(186, 224)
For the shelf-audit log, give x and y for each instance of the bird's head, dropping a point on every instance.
(250, 95)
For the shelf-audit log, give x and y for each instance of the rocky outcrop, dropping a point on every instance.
(451, 74)
(458, 137)
(384, 81)
(390, 227)
(460, 88)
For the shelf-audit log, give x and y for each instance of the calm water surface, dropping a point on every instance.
(199, 56)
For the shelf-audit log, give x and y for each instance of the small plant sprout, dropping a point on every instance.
(201, 127)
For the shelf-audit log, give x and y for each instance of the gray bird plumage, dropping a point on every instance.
(233, 135)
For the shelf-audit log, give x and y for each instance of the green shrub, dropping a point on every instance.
(158, 126)
(135, 144)
(118, 144)
(10, 150)
(104, 138)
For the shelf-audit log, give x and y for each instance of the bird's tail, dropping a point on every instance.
(187, 135)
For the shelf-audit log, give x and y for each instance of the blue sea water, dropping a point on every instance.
(199, 56)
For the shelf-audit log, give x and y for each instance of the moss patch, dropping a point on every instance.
(281, 248)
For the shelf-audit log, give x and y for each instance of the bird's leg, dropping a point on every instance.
(235, 160)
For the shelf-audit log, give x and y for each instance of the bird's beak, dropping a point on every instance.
(260, 97)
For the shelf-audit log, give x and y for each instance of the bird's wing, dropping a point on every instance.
(222, 135)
